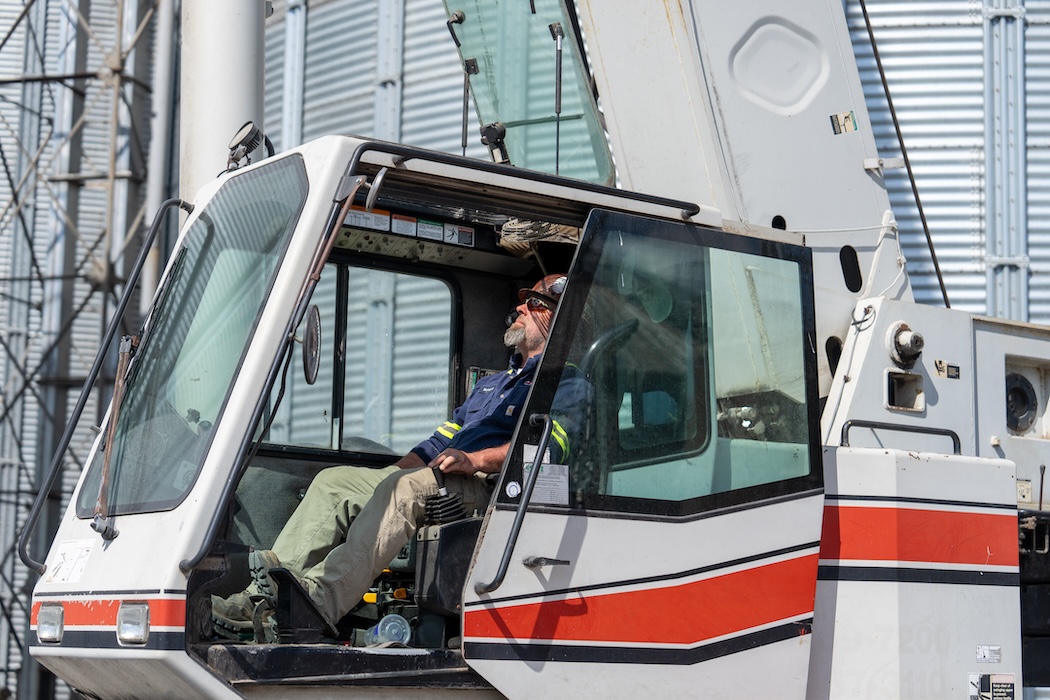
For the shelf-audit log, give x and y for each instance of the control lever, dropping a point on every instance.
(445, 507)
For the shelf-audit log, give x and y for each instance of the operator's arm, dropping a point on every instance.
(488, 460)
(410, 461)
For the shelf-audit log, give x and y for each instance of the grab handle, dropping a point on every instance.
(526, 494)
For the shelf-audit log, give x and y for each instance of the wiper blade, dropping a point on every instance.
(101, 522)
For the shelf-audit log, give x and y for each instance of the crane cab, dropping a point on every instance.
(699, 426)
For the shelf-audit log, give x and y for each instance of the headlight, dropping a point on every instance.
(133, 622)
(50, 623)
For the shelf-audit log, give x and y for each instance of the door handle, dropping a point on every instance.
(537, 562)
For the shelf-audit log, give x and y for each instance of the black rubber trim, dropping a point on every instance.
(925, 501)
(107, 594)
(107, 639)
(904, 575)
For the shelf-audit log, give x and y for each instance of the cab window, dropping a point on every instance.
(384, 378)
(693, 345)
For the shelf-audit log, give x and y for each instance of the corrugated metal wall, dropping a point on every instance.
(931, 52)
(977, 129)
(56, 136)
(340, 75)
(432, 102)
(14, 315)
(1037, 118)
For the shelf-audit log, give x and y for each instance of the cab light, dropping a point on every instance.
(50, 623)
(133, 622)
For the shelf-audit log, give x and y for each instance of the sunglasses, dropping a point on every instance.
(535, 300)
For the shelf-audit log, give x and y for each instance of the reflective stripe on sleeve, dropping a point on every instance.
(449, 429)
(562, 438)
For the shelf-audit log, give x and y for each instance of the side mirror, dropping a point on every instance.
(312, 344)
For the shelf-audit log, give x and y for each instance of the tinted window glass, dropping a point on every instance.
(697, 362)
(197, 335)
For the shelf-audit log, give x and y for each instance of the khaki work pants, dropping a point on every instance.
(319, 523)
(338, 572)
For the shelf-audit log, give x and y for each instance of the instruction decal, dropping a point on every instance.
(946, 370)
(376, 219)
(991, 686)
(552, 483)
(844, 122)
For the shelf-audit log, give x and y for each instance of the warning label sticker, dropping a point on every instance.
(376, 220)
(403, 225)
(992, 686)
(431, 230)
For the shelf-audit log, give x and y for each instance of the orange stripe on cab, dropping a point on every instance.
(908, 534)
(80, 612)
(697, 611)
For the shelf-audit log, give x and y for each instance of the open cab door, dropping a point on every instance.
(674, 544)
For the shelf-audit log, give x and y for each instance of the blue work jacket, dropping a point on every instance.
(488, 416)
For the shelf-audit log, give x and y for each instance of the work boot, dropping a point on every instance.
(232, 617)
(260, 561)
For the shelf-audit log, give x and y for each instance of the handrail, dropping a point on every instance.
(398, 151)
(111, 332)
(900, 428)
(526, 495)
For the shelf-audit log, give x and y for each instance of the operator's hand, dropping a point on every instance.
(453, 461)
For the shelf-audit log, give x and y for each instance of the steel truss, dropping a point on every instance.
(75, 79)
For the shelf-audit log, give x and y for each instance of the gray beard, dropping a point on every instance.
(513, 337)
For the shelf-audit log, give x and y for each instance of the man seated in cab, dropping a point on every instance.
(353, 521)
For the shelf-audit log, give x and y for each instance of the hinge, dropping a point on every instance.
(881, 164)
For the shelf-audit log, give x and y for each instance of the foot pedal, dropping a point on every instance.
(298, 617)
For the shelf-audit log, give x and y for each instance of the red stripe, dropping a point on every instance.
(906, 534)
(163, 612)
(693, 612)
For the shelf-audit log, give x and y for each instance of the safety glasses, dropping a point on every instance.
(535, 300)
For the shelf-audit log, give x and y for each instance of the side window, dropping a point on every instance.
(398, 350)
(384, 380)
(305, 417)
(692, 346)
(759, 370)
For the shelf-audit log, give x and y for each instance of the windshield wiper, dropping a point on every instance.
(100, 523)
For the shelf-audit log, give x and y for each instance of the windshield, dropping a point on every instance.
(513, 46)
(196, 338)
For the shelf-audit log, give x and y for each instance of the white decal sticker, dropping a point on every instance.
(989, 654)
(69, 561)
(552, 483)
(459, 235)
(404, 225)
(991, 686)
(431, 230)
(376, 219)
